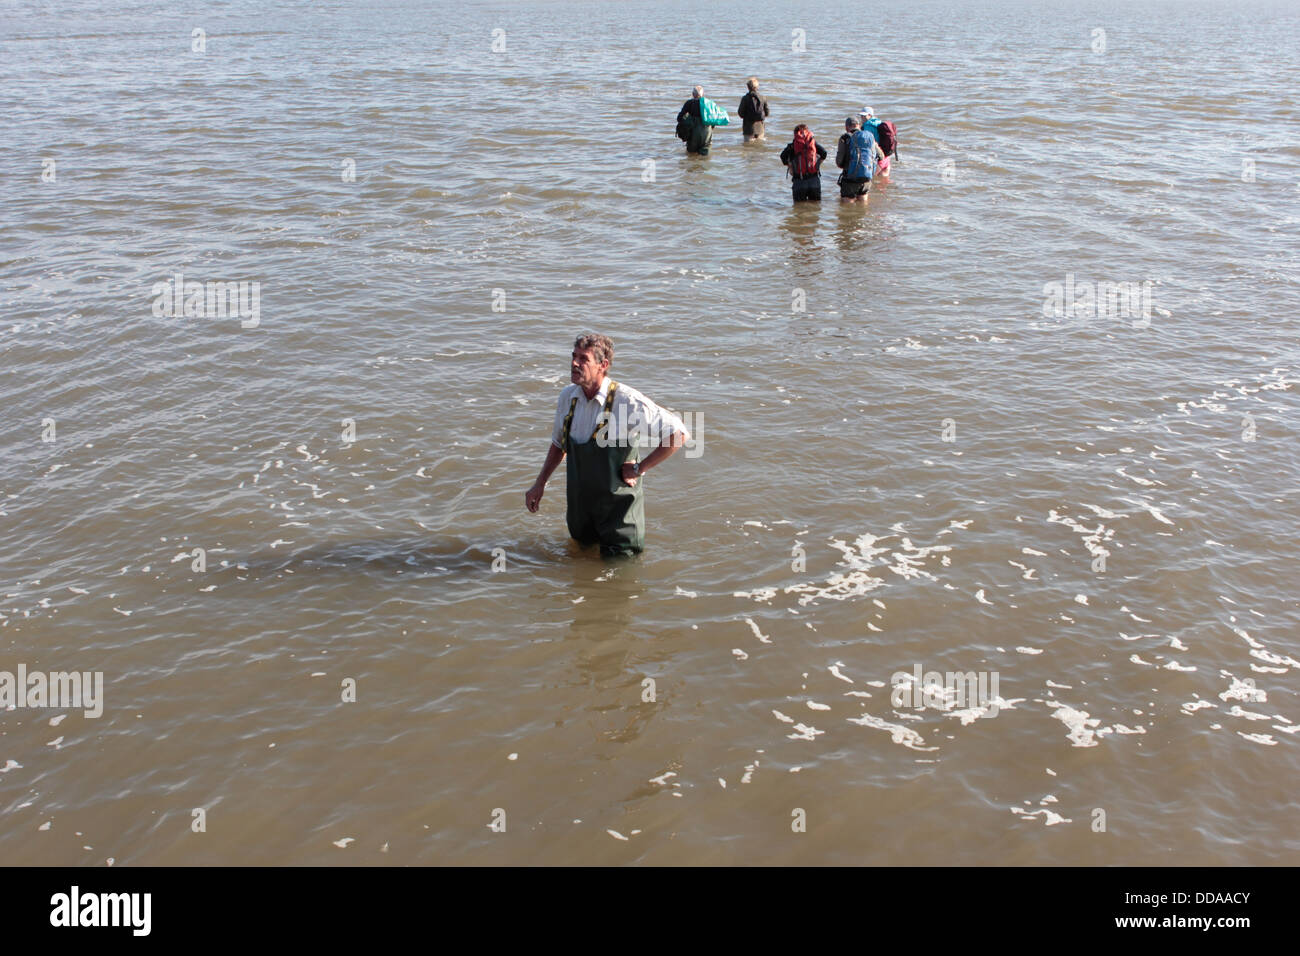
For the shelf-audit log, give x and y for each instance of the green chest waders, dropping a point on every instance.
(601, 509)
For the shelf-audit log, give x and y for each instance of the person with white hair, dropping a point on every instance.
(691, 126)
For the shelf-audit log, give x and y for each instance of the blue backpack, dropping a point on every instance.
(862, 160)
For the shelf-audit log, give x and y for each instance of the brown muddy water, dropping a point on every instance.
(292, 539)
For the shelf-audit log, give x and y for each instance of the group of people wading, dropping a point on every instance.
(864, 151)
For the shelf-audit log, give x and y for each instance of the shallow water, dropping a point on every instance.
(919, 468)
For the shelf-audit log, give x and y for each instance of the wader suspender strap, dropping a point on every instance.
(609, 405)
(568, 421)
(604, 417)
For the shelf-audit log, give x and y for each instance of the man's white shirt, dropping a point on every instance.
(630, 406)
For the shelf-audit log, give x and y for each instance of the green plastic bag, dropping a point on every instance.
(712, 113)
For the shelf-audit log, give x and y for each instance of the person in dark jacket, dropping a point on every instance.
(803, 160)
(691, 126)
(753, 111)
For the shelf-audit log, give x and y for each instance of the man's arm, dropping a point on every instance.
(533, 496)
(670, 445)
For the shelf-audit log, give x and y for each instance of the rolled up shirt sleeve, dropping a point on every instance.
(658, 424)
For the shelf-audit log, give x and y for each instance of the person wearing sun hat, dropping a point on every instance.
(870, 122)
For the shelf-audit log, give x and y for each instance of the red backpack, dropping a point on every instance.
(805, 154)
(887, 136)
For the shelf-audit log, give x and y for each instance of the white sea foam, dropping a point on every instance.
(1050, 818)
(1082, 727)
(804, 732)
(1236, 711)
(1029, 572)
(1245, 691)
(1266, 739)
(905, 736)
(1103, 512)
(1134, 478)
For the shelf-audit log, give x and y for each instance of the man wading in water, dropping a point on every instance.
(601, 426)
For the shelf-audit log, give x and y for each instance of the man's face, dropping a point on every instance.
(584, 370)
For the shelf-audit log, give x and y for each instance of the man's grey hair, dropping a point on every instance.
(852, 123)
(697, 92)
(602, 346)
